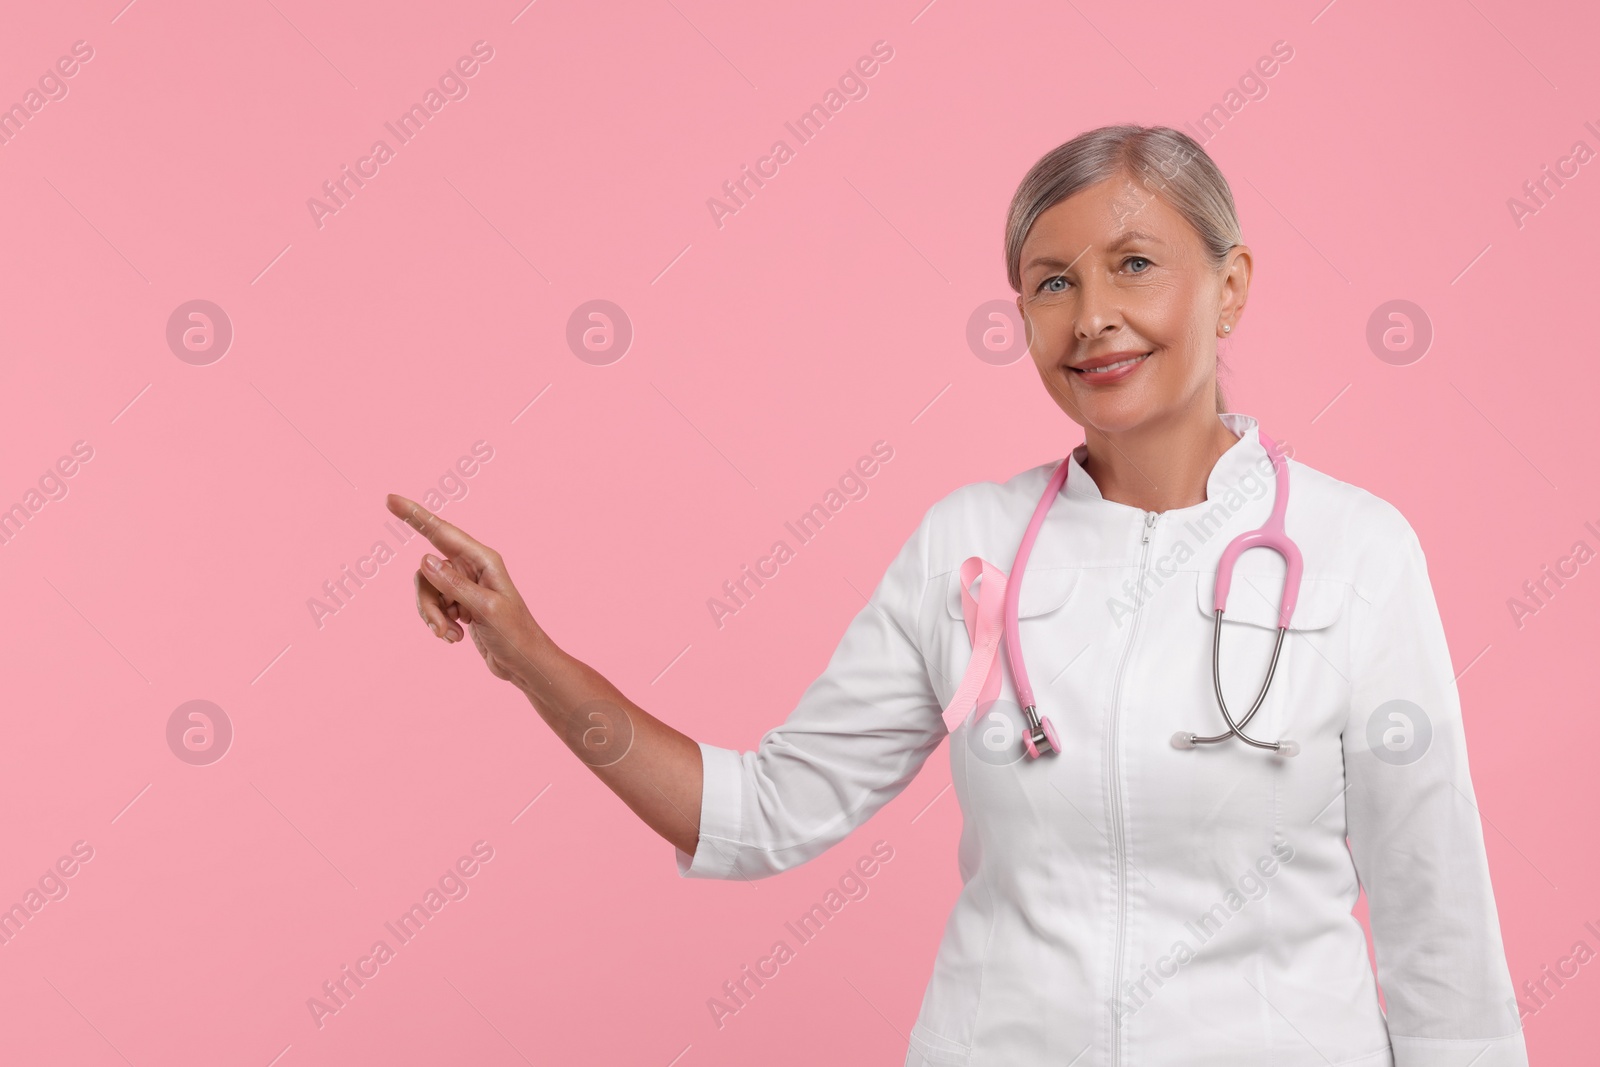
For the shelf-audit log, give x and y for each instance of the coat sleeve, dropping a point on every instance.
(1415, 833)
(860, 733)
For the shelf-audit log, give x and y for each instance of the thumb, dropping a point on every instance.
(455, 584)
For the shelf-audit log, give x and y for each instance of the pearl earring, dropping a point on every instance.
(1226, 329)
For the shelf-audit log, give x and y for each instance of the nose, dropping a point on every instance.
(1097, 312)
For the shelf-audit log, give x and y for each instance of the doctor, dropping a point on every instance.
(1130, 898)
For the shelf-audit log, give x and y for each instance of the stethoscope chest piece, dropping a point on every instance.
(1038, 736)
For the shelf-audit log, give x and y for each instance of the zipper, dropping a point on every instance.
(1115, 756)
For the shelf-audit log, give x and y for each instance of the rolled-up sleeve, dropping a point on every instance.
(860, 732)
(1415, 832)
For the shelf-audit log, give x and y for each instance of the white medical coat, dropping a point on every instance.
(1126, 903)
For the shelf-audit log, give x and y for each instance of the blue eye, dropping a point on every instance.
(1047, 286)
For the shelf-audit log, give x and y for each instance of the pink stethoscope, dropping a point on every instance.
(996, 608)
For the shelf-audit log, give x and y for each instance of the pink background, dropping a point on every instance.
(767, 355)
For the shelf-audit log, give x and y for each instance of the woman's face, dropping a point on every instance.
(1114, 271)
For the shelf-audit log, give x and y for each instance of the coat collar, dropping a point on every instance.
(1084, 529)
(1233, 467)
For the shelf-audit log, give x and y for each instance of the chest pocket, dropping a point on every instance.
(1044, 589)
(987, 751)
(1313, 666)
(1043, 596)
(1254, 596)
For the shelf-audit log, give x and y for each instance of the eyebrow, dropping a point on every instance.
(1125, 239)
(1130, 237)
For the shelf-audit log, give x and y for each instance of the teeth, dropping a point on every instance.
(1113, 366)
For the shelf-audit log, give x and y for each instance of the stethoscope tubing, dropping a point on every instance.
(1019, 670)
(1040, 736)
(1236, 729)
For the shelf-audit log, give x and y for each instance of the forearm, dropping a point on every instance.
(654, 768)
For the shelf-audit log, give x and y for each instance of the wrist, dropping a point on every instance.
(536, 664)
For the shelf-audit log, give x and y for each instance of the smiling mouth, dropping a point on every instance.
(1109, 367)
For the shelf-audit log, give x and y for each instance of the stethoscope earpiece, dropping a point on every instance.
(1184, 739)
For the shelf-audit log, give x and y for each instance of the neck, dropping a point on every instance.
(1158, 466)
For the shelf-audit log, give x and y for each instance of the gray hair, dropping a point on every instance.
(1168, 162)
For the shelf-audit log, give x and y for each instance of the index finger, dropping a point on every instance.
(451, 540)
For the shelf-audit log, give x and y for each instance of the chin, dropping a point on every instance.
(1113, 412)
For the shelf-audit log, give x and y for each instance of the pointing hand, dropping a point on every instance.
(470, 585)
